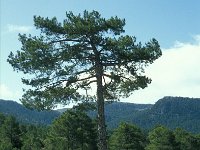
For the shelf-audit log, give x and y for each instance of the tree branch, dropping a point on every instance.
(78, 80)
(68, 40)
(120, 76)
(110, 64)
(92, 81)
(84, 71)
(114, 63)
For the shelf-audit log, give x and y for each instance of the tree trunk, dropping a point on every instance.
(102, 143)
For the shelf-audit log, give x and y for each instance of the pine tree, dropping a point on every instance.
(10, 134)
(161, 138)
(82, 51)
(73, 130)
(127, 137)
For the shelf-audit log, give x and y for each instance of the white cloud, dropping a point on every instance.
(19, 28)
(7, 94)
(176, 73)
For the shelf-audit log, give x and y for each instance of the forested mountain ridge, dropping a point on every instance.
(172, 112)
(177, 106)
(25, 115)
(175, 112)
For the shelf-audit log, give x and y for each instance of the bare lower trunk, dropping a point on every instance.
(102, 143)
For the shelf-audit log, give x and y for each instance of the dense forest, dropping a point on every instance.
(171, 112)
(171, 123)
(75, 130)
(22, 114)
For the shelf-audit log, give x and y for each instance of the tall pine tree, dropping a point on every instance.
(82, 51)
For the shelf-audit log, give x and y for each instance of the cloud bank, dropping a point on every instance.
(7, 94)
(19, 28)
(176, 73)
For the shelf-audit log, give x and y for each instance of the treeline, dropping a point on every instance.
(171, 112)
(25, 115)
(75, 130)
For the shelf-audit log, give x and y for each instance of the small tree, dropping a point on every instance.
(185, 140)
(2, 119)
(10, 134)
(83, 50)
(127, 137)
(33, 137)
(75, 130)
(161, 138)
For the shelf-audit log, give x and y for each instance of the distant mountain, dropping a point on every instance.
(119, 111)
(26, 115)
(172, 112)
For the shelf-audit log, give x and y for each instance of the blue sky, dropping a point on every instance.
(174, 23)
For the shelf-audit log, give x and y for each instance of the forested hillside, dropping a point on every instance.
(169, 111)
(75, 130)
(172, 112)
(175, 112)
(25, 115)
